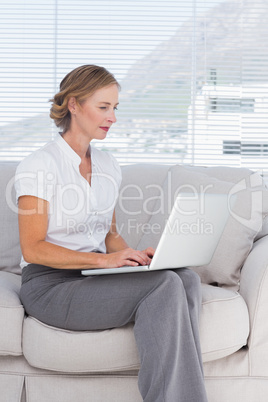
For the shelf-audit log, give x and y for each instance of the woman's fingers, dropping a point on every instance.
(137, 256)
(127, 256)
(149, 251)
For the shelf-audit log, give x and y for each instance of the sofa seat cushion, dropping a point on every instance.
(224, 327)
(11, 314)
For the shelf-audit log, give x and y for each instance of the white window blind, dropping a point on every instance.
(194, 76)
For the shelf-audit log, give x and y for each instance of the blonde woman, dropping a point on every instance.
(66, 194)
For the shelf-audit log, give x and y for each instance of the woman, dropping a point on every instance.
(66, 194)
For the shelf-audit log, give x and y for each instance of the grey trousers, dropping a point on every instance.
(163, 305)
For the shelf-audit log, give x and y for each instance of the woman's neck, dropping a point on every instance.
(80, 145)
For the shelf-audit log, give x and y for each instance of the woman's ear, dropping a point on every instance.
(72, 104)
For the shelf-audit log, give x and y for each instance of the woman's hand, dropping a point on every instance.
(128, 256)
(149, 251)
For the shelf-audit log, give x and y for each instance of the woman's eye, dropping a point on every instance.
(105, 108)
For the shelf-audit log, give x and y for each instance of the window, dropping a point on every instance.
(232, 105)
(194, 75)
(245, 148)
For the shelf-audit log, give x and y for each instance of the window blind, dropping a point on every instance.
(194, 76)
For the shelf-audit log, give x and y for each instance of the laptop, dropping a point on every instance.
(190, 236)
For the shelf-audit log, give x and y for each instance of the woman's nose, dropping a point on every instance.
(112, 117)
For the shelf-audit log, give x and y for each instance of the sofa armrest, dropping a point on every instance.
(254, 290)
(11, 314)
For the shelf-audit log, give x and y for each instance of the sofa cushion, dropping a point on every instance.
(236, 175)
(224, 328)
(264, 229)
(137, 197)
(242, 226)
(11, 314)
(10, 253)
(224, 173)
(77, 352)
(224, 322)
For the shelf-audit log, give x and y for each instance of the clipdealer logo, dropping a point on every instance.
(45, 185)
(199, 226)
(255, 192)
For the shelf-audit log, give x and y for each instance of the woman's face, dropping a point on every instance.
(96, 114)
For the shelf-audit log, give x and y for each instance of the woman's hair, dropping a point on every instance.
(80, 83)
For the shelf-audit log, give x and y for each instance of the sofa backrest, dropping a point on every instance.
(148, 193)
(143, 186)
(140, 177)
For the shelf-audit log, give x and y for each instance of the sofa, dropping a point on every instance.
(39, 363)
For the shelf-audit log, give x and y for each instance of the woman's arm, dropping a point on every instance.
(114, 242)
(33, 224)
